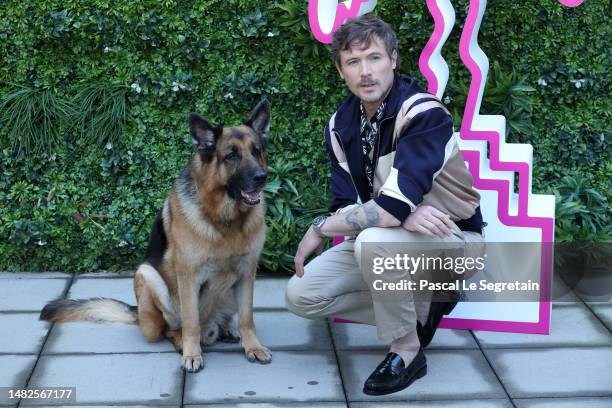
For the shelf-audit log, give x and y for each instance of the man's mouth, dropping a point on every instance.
(251, 197)
(368, 84)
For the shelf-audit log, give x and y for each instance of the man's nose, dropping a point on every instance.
(365, 69)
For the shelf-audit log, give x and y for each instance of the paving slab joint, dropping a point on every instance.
(66, 290)
(333, 342)
(492, 368)
(590, 307)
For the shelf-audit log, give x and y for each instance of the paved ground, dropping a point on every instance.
(315, 363)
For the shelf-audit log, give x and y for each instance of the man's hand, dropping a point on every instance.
(429, 221)
(309, 244)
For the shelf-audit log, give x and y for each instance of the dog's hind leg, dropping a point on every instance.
(227, 332)
(209, 322)
(176, 338)
(155, 312)
(209, 316)
(210, 333)
(227, 329)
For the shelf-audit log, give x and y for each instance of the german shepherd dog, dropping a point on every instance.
(204, 249)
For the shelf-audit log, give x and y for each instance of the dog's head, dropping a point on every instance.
(235, 154)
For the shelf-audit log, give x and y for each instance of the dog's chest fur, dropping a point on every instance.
(221, 273)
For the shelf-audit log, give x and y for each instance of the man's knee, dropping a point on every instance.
(300, 300)
(293, 298)
(369, 236)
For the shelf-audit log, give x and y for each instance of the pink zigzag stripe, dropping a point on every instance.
(545, 224)
(522, 219)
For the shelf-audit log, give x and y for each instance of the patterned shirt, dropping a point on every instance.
(370, 130)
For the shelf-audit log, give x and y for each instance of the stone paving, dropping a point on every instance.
(315, 363)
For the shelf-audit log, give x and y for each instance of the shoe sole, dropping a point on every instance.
(419, 374)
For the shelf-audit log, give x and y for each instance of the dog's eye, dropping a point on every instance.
(256, 151)
(234, 155)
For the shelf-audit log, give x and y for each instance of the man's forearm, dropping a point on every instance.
(359, 218)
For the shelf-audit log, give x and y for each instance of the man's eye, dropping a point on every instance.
(352, 62)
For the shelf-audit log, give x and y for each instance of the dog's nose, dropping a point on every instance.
(260, 176)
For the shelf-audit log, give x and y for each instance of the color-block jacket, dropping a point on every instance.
(418, 159)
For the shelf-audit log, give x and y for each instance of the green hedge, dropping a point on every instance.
(95, 97)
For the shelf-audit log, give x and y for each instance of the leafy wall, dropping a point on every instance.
(95, 96)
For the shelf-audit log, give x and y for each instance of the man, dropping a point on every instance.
(397, 176)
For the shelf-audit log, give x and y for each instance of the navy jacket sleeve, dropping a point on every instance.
(342, 187)
(421, 151)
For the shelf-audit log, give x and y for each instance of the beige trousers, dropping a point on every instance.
(335, 285)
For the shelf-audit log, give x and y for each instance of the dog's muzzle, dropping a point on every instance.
(251, 198)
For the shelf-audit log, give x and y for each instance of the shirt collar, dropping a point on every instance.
(377, 116)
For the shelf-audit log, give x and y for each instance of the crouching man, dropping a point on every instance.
(397, 176)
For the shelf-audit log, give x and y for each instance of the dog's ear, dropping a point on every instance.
(260, 121)
(203, 134)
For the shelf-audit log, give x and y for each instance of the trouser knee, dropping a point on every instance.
(299, 301)
(368, 236)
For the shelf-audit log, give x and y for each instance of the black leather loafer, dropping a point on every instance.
(436, 311)
(391, 375)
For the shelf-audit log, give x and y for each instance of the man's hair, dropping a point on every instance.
(360, 31)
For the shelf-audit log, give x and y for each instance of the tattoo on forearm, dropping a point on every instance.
(372, 215)
(352, 220)
(363, 217)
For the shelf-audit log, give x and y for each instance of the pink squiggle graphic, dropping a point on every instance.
(571, 3)
(432, 44)
(342, 13)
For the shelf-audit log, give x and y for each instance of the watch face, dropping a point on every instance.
(319, 220)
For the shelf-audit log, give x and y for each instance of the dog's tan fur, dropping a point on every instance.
(208, 266)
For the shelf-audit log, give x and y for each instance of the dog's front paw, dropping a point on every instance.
(260, 354)
(192, 364)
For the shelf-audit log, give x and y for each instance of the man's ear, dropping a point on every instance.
(203, 134)
(260, 121)
(394, 59)
(339, 71)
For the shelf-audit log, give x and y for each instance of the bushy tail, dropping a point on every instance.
(98, 310)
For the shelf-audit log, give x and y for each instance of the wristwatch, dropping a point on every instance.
(317, 223)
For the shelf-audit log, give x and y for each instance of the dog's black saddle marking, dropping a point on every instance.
(157, 243)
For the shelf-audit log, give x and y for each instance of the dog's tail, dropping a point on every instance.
(98, 310)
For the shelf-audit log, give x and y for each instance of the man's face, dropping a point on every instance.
(368, 72)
